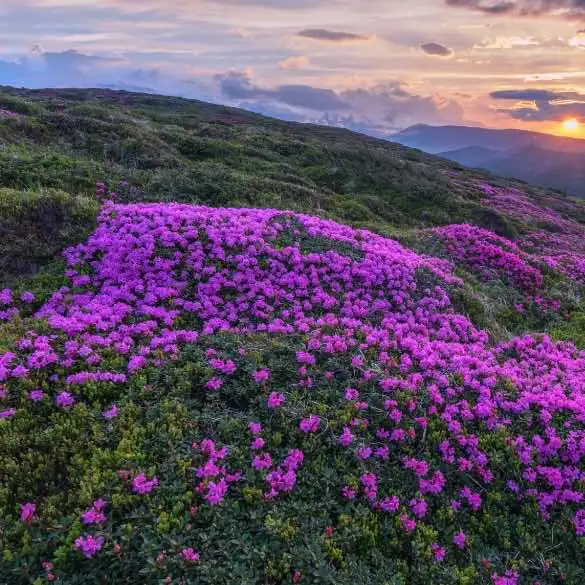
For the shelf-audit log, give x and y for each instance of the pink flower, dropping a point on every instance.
(64, 400)
(262, 461)
(255, 428)
(214, 384)
(311, 424)
(216, 491)
(9, 413)
(409, 524)
(27, 512)
(419, 508)
(261, 375)
(93, 517)
(95, 514)
(36, 395)
(27, 297)
(111, 413)
(257, 443)
(141, 485)
(346, 437)
(190, 555)
(510, 577)
(89, 545)
(351, 394)
(459, 539)
(348, 493)
(390, 504)
(438, 552)
(275, 400)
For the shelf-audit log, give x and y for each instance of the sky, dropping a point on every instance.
(372, 65)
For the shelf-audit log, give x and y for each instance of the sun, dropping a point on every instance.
(571, 125)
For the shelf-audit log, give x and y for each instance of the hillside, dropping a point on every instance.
(239, 350)
(541, 159)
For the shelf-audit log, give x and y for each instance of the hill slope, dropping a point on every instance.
(209, 395)
(542, 159)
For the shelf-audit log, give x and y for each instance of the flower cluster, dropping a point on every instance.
(413, 387)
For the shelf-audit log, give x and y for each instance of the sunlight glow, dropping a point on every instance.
(571, 125)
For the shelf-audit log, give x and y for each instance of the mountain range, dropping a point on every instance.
(542, 159)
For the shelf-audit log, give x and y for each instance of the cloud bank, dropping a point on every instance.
(542, 106)
(436, 50)
(569, 9)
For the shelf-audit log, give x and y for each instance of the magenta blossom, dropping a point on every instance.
(275, 400)
(460, 539)
(438, 551)
(141, 485)
(64, 400)
(36, 395)
(27, 512)
(190, 555)
(111, 412)
(261, 375)
(89, 545)
(311, 424)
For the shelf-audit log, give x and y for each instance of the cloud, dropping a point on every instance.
(322, 34)
(300, 62)
(436, 50)
(39, 68)
(524, 94)
(570, 9)
(379, 110)
(536, 105)
(506, 43)
(238, 86)
(578, 40)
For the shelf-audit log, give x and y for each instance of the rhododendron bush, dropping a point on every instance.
(257, 396)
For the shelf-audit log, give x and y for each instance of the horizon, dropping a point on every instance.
(362, 65)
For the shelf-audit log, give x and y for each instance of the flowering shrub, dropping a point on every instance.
(269, 397)
(8, 114)
(491, 256)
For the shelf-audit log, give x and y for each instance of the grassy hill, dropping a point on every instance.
(234, 349)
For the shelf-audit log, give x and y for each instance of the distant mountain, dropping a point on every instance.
(472, 156)
(542, 159)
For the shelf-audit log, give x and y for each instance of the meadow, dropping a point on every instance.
(239, 350)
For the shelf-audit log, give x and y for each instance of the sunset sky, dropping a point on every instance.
(380, 64)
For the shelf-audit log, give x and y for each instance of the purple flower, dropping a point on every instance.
(27, 512)
(142, 485)
(111, 413)
(438, 552)
(261, 375)
(214, 384)
(275, 400)
(263, 461)
(36, 395)
(93, 516)
(9, 413)
(346, 437)
(349, 493)
(190, 555)
(311, 424)
(27, 297)
(255, 428)
(216, 491)
(408, 524)
(64, 400)
(89, 545)
(257, 443)
(460, 539)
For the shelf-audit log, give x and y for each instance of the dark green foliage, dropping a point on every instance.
(36, 226)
